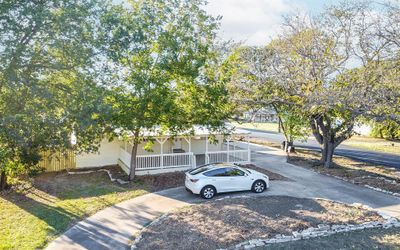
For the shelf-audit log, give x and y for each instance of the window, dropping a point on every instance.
(217, 172)
(235, 172)
(199, 170)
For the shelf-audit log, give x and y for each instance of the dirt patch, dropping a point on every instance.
(354, 171)
(272, 176)
(224, 223)
(58, 182)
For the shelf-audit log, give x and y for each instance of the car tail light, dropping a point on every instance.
(194, 180)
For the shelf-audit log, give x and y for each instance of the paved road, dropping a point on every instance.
(113, 227)
(389, 160)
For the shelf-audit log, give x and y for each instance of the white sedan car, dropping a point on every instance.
(211, 179)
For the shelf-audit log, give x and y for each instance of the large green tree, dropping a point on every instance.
(47, 89)
(253, 86)
(336, 69)
(159, 54)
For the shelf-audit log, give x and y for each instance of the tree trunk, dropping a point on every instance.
(324, 152)
(290, 147)
(3, 181)
(279, 124)
(133, 161)
(327, 154)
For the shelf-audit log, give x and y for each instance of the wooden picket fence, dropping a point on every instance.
(58, 161)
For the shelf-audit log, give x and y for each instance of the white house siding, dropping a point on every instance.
(198, 146)
(108, 155)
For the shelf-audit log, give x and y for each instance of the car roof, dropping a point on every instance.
(214, 166)
(220, 165)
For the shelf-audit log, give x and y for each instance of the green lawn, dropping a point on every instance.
(360, 142)
(367, 239)
(32, 218)
(267, 126)
(374, 144)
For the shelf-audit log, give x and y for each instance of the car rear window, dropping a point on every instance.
(199, 170)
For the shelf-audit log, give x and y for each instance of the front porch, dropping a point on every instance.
(183, 153)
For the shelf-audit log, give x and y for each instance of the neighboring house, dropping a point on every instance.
(363, 129)
(170, 153)
(261, 115)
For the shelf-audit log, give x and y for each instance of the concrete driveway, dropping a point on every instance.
(114, 227)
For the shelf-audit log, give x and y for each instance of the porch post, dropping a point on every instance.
(189, 141)
(227, 153)
(206, 155)
(248, 149)
(190, 150)
(162, 141)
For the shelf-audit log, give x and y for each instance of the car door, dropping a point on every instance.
(238, 180)
(219, 178)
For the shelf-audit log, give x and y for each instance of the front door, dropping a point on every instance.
(177, 143)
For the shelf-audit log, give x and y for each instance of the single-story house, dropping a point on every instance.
(171, 153)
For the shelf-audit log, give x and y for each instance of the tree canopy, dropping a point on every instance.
(159, 55)
(46, 88)
(335, 69)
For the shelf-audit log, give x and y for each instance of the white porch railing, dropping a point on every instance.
(145, 162)
(164, 161)
(235, 156)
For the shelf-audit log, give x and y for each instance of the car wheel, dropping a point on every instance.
(258, 186)
(208, 192)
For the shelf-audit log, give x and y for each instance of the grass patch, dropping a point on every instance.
(266, 126)
(53, 202)
(366, 239)
(264, 142)
(354, 171)
(360, 142)
(374, 144)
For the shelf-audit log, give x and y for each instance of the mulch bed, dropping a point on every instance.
(377, 238)
(51, 182)
(353, 171)
(54, 183)
(272, 176)
(227, 222)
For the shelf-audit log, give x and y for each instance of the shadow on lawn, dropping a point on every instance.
(57, 218)
(65, 186)
(61, 200)
(87, 233)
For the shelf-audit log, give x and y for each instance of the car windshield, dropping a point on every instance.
(243, 169)
(199, 170)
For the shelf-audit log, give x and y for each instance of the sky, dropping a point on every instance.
(256, 22)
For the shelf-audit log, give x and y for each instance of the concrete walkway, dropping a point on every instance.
(113, 228)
